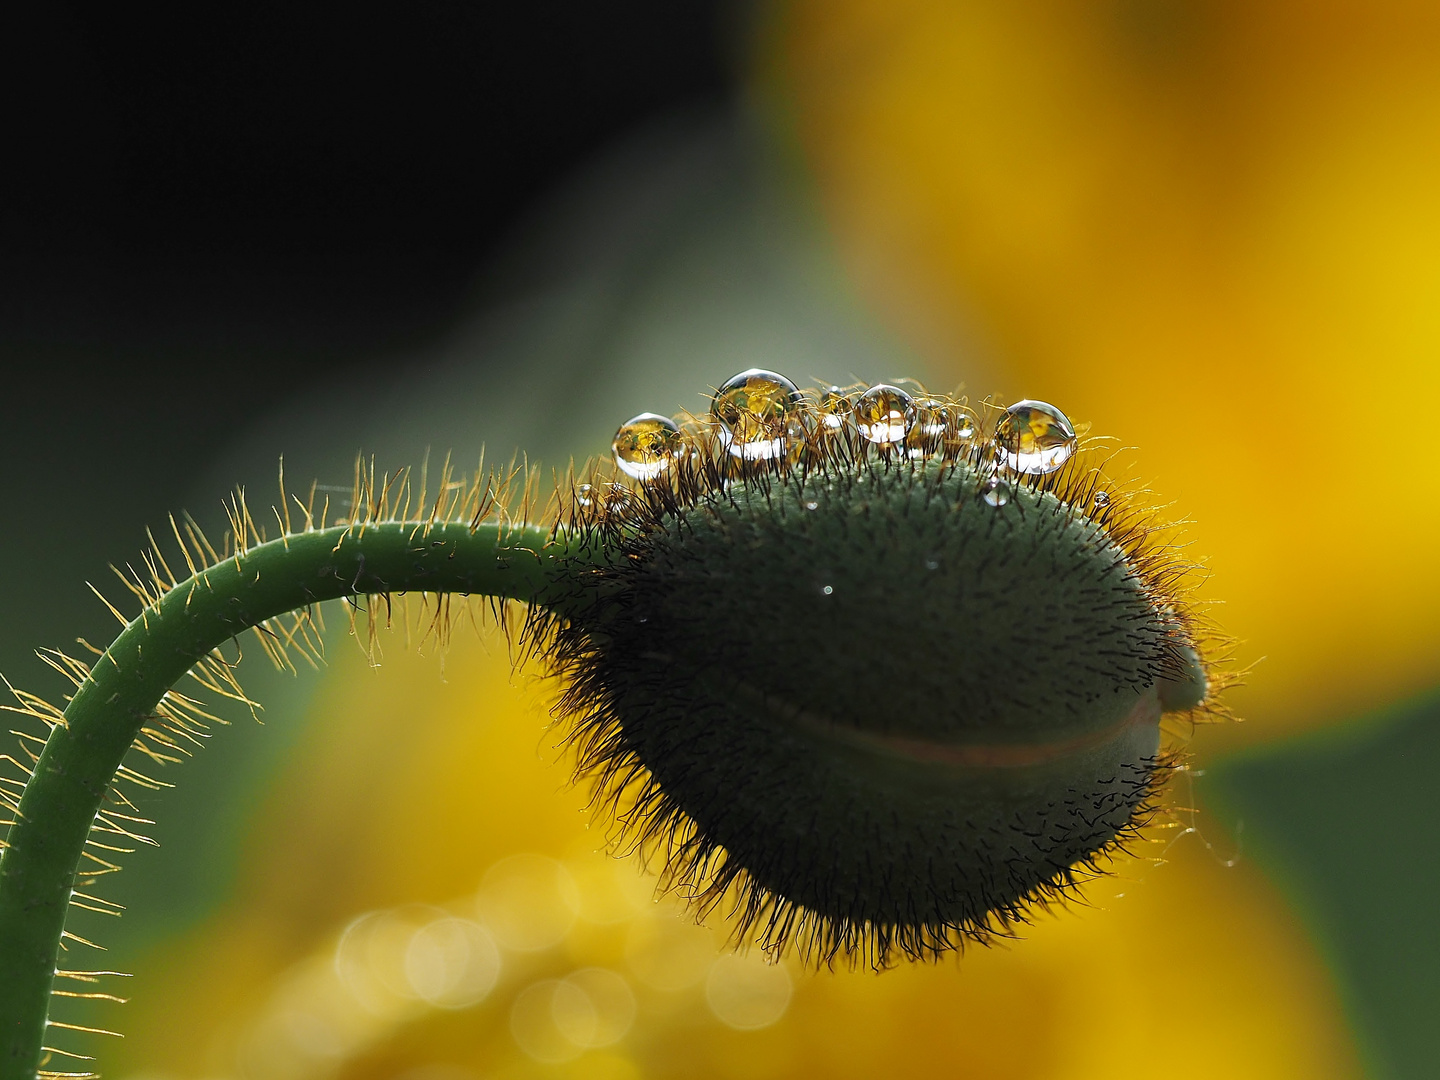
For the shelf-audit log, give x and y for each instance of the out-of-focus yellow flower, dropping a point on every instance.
(418, 837)
(1209, 228)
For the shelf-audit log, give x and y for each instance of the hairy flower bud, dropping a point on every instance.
(885, 701)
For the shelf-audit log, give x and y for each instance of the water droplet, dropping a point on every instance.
(647, 445)
(927, 434)
(834, 407)
(884, 414)
(585, 496)
(827, 589)
(1034, 437)
(1101, 500)
(753, 410)
(797, 437)
(995, 491)
(811, 504)
(618, 499)
(932, 564)
(959, 431)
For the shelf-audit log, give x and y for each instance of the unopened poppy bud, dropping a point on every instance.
(886, 702)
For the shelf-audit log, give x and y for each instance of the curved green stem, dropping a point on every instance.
(44, 848)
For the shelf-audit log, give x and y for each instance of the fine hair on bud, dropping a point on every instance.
(874, 673)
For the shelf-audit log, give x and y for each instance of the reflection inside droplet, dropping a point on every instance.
(1034, 437)
(927, 433)
(756, 411)
(833, 408)
(618, 499)
(647, 445)
(884, 414)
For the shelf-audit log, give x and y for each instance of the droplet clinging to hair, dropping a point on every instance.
(755, 410)
(647, 445)
(833, 408)
(1034, 437)
(927, 434)
(884, 414)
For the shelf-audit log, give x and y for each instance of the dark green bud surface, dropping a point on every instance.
(889, 712)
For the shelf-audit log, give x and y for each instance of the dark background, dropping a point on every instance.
(205, 210)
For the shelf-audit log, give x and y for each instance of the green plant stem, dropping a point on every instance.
(39, 865)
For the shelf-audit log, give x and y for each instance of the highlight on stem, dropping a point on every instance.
(870, 672)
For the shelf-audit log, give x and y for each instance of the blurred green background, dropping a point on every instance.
(1208, 228)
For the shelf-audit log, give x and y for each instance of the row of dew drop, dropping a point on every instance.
(762, 416)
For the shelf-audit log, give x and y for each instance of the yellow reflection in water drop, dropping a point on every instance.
(1034, 437)
(753, 409)
(884, 414)
(647, 445)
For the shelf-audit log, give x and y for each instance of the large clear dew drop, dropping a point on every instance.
(647, 445)
(1034, 437)
(757, 413)
(884, 414)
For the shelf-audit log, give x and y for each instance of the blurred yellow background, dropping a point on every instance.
(1211, 229)
(414, 802)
